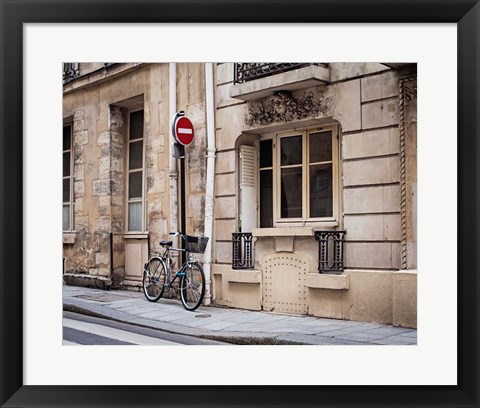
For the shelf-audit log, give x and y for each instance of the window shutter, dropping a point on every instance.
(248, 188)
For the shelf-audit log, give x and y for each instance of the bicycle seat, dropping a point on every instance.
(166, 243)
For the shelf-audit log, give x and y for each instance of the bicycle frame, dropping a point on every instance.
(165, 256)
(192, 277)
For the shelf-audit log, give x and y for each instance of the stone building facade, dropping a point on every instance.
(302, 175)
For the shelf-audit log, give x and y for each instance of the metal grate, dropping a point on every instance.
(196, 245)
(245, 71)
(242, 257)
(330, 251)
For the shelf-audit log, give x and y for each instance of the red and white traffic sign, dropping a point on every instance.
(183, 130)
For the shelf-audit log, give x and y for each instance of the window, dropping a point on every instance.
(67, 210)
(135, 183)
(298, 177)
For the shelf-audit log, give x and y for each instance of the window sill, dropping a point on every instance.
(293, 231)
(69, 237)
(325, 281)
(138, 235)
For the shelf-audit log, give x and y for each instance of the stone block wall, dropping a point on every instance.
(191, 99)
(229, 118)
(99, 113)
(365, 100)
(371, 176)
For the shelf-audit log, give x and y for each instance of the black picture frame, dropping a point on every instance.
(465, 13)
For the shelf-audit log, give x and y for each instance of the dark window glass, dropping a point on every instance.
(321, 191)
(67, 139)
(266, 153)
(66, 164)
(136, 155)
(321, 147)
(135, 185)
(66, 190)
(266, 199)
(136, 125)
(291, 193)
(291, 150)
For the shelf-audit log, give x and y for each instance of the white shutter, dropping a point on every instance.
(248, 188)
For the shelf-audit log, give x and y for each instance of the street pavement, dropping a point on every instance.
(79, 329)
(234, 326)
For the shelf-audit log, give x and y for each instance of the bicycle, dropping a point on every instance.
(157, 272)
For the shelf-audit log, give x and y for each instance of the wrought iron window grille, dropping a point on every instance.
(330, 251)
(245, 71)
(242, 250)
(70, 71)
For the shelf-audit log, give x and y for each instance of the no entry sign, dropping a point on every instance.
(183, 130)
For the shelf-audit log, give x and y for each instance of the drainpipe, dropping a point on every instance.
(173, 172)
(210, 114)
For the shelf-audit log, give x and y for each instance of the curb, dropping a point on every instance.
(239, 340)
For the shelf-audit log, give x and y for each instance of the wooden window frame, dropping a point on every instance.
(70, 177)
(305, 220)
(128, 172)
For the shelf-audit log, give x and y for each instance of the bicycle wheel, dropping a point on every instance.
(192, 286)
(154, 279)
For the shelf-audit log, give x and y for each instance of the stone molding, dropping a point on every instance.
(408, 92)
(285, 107)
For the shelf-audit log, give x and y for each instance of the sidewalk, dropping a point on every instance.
(229, 325)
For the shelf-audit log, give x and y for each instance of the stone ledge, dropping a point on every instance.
(250, 276)
(69, 237)
(283, 232)
(89, 281)
(323, 281)
(287, 81)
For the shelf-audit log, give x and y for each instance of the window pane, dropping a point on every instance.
(66, 218)
(66, 164)
(66, 190)
(266, 199)
(135, 185)
(266, 153)
(135, 216)
(321, 191)
(321, 147)
(67, 140)
(291, 150)
(136, 154)
(291, 191)
(136, 125)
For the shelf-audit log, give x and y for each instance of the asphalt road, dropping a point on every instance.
(86, 330)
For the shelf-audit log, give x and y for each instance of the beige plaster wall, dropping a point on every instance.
(372, 296)
(238, 289)
(364, 99)
(405, 298)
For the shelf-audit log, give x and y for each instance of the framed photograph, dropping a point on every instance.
(440, 370)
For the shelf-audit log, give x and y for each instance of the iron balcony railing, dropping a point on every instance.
(246, 71)
(330, 251)
(70, 71)
(242, 250)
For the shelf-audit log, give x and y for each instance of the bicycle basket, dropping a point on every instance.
(196, 245)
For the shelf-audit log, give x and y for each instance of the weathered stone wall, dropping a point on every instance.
(191, 99)
(99, 114)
